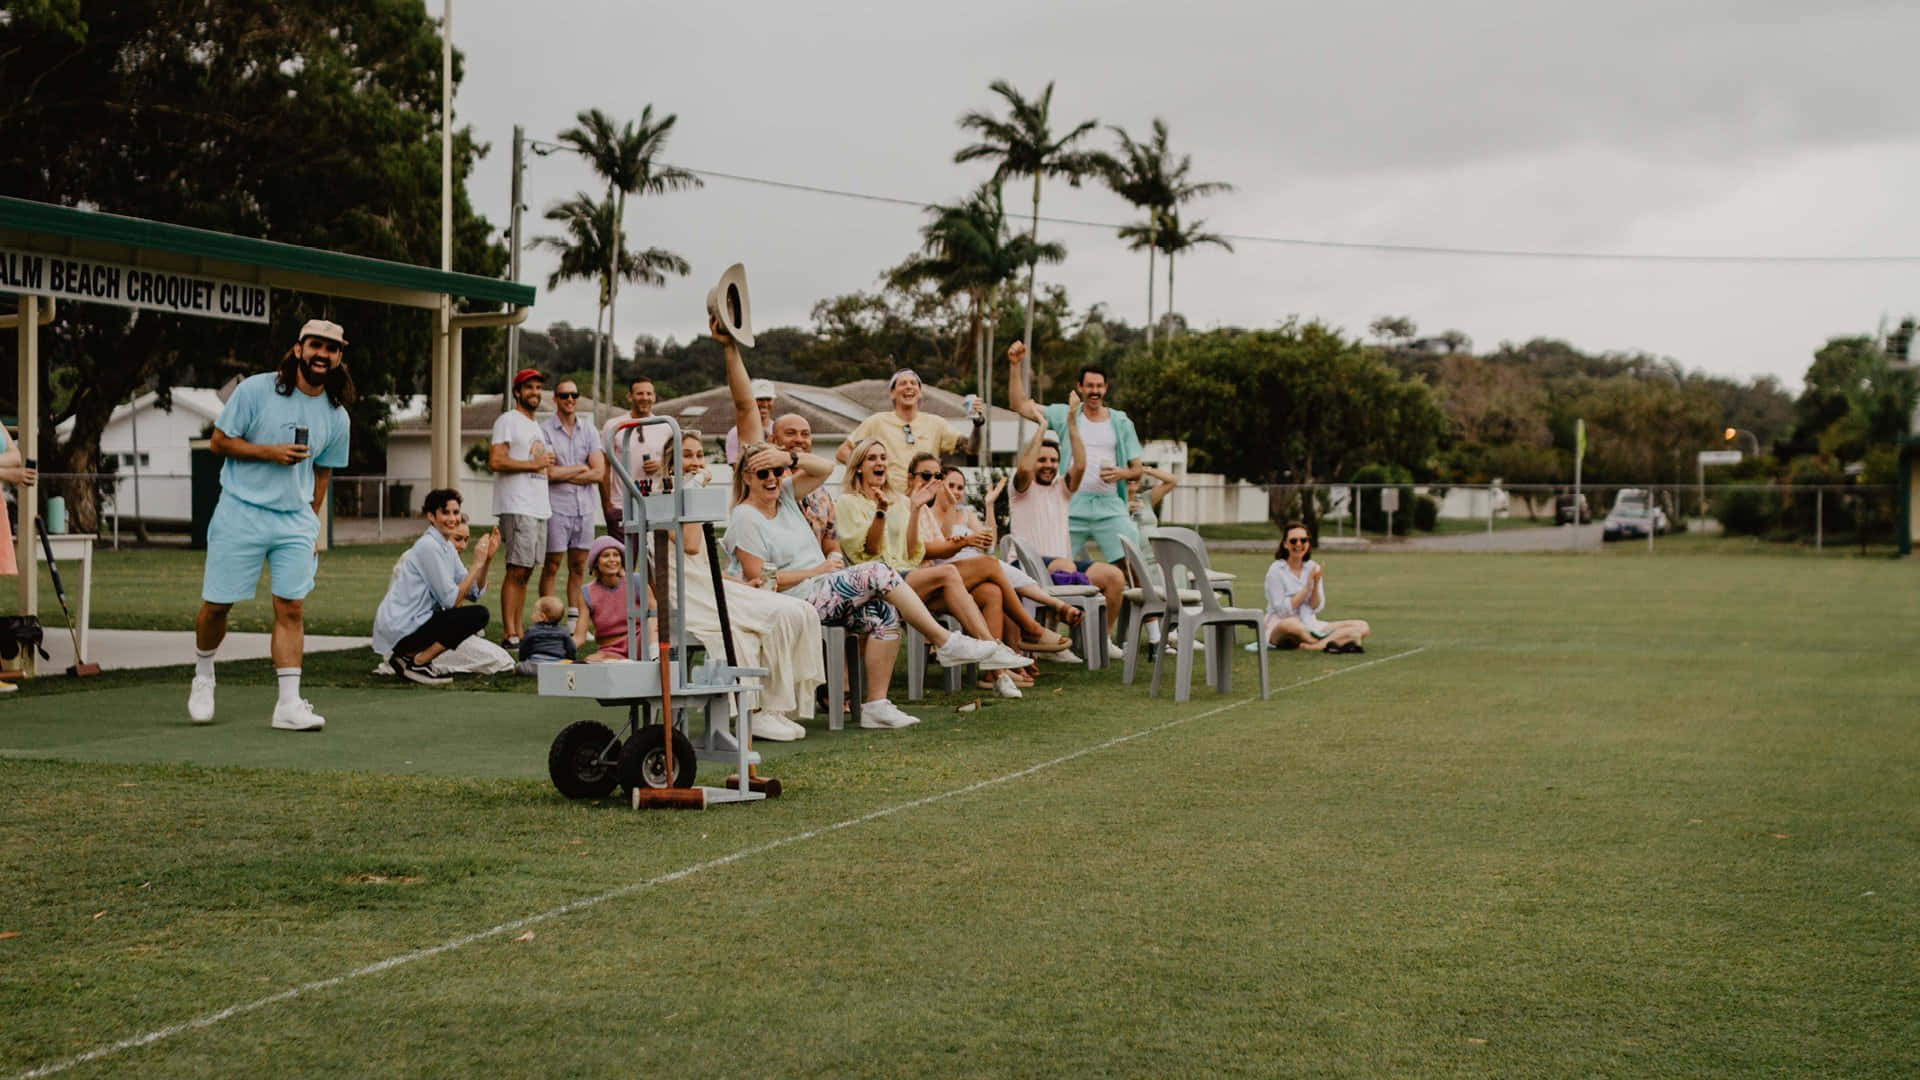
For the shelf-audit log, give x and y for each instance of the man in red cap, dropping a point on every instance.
(519, 460)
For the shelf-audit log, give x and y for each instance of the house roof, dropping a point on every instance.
(92, 234)
(201, 401)
(410, 417)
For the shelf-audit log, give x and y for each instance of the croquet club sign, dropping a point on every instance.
(131, 286)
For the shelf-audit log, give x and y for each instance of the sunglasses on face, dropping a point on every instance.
(929, 476)
(1299, 540)
(774, 473)
(566, 395)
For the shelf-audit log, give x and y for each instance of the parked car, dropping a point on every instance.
(1563, 510)
(1634, 514)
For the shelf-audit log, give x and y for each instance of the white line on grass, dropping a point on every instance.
(391, 962)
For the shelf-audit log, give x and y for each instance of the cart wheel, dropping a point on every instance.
(643, 762)
(583, 760)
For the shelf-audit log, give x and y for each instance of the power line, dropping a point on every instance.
(1363, 245)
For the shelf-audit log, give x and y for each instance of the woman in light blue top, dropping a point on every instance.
(428, 609)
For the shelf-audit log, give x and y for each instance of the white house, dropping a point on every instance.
(144, 440)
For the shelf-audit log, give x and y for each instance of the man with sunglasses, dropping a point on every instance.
(519, 459)
(282, 435)
(908, 429)
(579, 464)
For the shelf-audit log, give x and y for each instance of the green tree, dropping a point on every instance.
(1297, 405)
(626, 156)
(1152, 179)
(314, 124)
(1175, 238)
(966, 251)
(1023, 144)
(586, 253)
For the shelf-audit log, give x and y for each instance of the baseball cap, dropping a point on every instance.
(763, 390)
(525, 374)
(1050, 438)
(894, 379)
(326, 331)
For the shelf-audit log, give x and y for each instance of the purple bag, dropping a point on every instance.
(1070, 577)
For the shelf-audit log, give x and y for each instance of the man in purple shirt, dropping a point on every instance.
(573, 481)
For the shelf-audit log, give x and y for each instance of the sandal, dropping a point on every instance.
(1069, 614)
(1052, 642)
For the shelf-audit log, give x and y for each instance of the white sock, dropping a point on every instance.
(203, 663)
(289, 684)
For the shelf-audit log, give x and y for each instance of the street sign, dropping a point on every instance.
(1390, 499)
(1720, 457)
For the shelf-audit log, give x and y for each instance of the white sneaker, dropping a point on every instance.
(200, 700)
(1003, 685)
(1004, 659)
(961, 650)
(884, 714)
(1064, 656)
(775, 727)
(298, 716)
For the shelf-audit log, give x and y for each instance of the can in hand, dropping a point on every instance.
(970, 403)
(301, 435)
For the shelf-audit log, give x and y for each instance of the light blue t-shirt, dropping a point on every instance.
(260, 414)
(786, 541)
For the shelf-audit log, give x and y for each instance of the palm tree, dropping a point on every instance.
(1023, 145)
(626, 158)
(587, 252)
(1174, 239)
(1147, 175)
(966, 250)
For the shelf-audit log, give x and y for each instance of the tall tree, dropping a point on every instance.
(1151, 178)
(586, 253)
(1023, 144)
(627, 158)
(966, 251)
(1176, 238)
(315, 124)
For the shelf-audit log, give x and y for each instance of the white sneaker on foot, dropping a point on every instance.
(200, 700)
(298, 716)
(1003, 686)
(1064, 656)
(1004, 659)
(960, 650)
(884, 714)
(775, 727)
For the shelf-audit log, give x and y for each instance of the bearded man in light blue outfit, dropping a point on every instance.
(1098, 510)
(283, 433)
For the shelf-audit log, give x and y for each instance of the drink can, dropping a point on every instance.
(969, 403)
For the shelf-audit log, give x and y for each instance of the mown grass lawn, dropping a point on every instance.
(1610, 814)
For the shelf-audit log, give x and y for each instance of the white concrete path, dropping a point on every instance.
(119, 649)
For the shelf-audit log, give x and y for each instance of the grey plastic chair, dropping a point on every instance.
(1141, 604)
(846, 676)
(916, 648)
(1176, 555)
(1090, 600)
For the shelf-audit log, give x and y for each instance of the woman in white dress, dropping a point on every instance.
(779, 633)
(1296, 594)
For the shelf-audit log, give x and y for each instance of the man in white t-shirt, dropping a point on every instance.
(646, 450)
(519, 459)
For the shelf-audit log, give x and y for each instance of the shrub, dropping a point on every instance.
(1747, 511)
(1372, 518)
(1426, 513)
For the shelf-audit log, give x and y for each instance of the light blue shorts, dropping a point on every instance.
(1102, 519)
(241, 536)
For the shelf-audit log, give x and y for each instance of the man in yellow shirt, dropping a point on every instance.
(906, 430)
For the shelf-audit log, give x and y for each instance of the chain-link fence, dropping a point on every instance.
(372, 509)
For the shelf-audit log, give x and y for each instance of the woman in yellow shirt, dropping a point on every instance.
(874, 523)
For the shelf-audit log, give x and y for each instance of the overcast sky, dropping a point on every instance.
(1694, 128)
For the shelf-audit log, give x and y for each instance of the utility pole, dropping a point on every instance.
(513, 255)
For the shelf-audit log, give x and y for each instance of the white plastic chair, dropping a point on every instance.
(957, 677)
(1089, 599)
(1176, 555)
(846, 675)
(1140, 604)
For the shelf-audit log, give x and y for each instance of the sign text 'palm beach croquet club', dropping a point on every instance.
(131, 286)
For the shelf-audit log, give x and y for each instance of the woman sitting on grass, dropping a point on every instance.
(430, 604)
(1295, 598)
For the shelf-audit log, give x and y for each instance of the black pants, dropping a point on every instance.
(448, 628)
